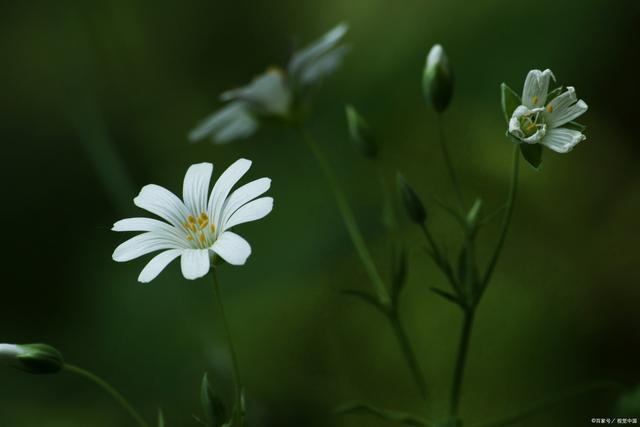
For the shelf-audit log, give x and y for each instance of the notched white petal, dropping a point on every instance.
(562, 140)
(268, 94)
(157, 264)
(162, 202)
(252, 211)
(232, 122)
(232, 248)
(223, 187)
(243, 195)
(195, 188)
(194, 263)
(143, 244)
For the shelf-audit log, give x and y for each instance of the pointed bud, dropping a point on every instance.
(361, 133)
(473, 216)
(32, 358)
(411, 201)
(437, 79)
(215, 411)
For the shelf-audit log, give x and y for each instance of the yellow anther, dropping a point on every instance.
(204, 216)
(549, 108)
(186, 225)
(531, 127)
(189, 237)
(191, 219)
(534, 100)
(201, 237)
(212, 227)
(204, 223)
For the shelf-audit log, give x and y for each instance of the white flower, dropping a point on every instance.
(198, 227)
(543, 121)
(273, 93)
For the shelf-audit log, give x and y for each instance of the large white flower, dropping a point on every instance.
(542, 119)
(273, 93)
(198, 226)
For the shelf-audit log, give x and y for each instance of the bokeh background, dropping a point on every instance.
(98, 99)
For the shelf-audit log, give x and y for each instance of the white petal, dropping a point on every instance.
(536, 87)
(242, 195)
(145, 224)
(233, 121)
(267, 94)
(157, 264)
(564, 108)
(145, 243)
(323, 66)
(252, 211)
(232, 248)
(8, 352)
(223, 186)
(308, 55)
(562, 140)
(195, 188)
(194, 263)
(162, 202)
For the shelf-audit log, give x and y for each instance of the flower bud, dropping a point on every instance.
(32, 358)
(361, 133)
(410, 199)
(473, 216)
(437, 79)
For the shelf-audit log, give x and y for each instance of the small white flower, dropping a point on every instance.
(541, 121)
(198, 227)
(273, 93)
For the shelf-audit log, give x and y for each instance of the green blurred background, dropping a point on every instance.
(98, 99)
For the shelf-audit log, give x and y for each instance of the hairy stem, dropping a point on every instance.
(110, 390)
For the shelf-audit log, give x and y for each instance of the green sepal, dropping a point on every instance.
(39, 359)
(509, 101)
(575, 126)
(214, 409)
(473, 219)
(412, 203)
(392, 416)
(360, 132)
(554, 93)
(532, 153)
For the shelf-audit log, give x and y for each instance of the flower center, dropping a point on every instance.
(200, 231)
(530, 123)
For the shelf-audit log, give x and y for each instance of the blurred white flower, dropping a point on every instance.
(540, 120)
(273, 93)
(32, 358)
(198, 226)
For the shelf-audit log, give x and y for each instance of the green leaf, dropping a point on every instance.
(446, 295)
(367, 298)
(399, 273)
(532, 153)
(215, 411)
(509, 100)
(394, 416)
(557, 91)
(160, 418)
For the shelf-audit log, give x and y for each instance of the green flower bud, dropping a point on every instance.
(32, 358)
(437, 79)
(473, 216)
(411, 201)
(361, 133)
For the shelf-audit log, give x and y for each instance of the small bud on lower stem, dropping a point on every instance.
(437, 79)
(411, 201)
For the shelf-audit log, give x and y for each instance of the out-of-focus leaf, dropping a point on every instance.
(215, 411)
(394, 416)
(447, 295)
(160, 418)
(399, 273)
(367, 298)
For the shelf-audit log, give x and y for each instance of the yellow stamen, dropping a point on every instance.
(204, 223)
(201, 237)
(534, 100)
(531, 127)
(191, 219)
(189, 237)
(204, 216)
(213, 228)
(549, 108)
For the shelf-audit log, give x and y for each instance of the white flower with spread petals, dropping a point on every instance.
(197, 227)
(274, 93)
(545, 118)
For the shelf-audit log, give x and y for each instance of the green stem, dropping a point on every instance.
(458, 373)
(388, 209)
(110, 390)
(232, 351)
(505, 222)
(407, 351)
(349, 219)
(546, 404)
(449, 163)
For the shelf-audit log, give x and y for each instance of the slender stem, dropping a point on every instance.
(110, 390)
(505, 222)
(409, 355)
(349, 219)
(366, 259)
(232, 351)
(388, 209)
(449, 163)
(458, 373)
(547, 404)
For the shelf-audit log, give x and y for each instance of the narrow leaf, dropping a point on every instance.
(394, 416)
(215, 411)
(367, 298)
(446, 295)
